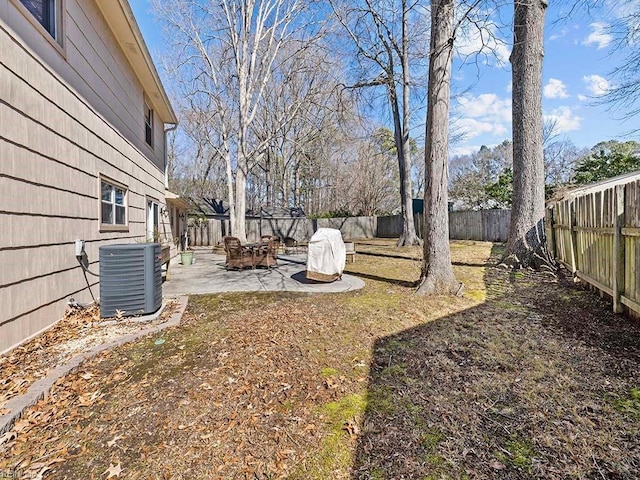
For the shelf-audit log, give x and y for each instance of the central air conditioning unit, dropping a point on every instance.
(130, 279)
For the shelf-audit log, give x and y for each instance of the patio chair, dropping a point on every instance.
(267, 255)
(290, 245)
(238, 256)
(350, 248)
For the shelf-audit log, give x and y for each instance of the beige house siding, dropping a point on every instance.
(65, 122)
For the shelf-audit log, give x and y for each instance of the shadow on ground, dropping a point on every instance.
(419, 259)
(537, 382)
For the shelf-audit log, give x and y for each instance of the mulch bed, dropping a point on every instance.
(531, 376)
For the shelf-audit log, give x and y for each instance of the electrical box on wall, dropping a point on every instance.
(130, 279)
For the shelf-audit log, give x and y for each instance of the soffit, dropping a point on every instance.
(122, 22)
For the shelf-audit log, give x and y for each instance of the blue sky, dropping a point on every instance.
(577, 66)
(576, 70)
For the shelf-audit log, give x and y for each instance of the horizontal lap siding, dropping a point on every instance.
(53, 149)
(97, 59)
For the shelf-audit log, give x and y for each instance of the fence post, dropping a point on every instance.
(618, 249)
(552, 232)
(573, 237)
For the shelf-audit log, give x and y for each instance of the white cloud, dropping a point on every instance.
(484, 41)
(484, 114)
(564, 119)
(486, 105)
(555, 89)
(460, 150)
(599, 36)
(560, 34)
(474, 128)
(596, 85)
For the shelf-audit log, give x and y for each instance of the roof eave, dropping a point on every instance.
(122, 22)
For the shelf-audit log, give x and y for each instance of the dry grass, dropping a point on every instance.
(529, 376)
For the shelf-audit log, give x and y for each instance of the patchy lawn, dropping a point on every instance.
(528, 376)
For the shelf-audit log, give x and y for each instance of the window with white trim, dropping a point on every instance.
(148, 124)
(47, 13)
(153, 220)
(113, 203)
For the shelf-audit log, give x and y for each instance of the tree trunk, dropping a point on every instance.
(408, 236)
(231, 193)
(268, 180)
(437, 272)
(526, 246)
(239, 230)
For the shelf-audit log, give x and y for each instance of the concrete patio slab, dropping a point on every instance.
(209, 275)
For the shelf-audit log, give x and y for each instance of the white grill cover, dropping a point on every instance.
(326, 255)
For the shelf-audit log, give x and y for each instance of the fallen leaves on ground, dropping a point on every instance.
(78, 331)
(113, 471)
(534, 380)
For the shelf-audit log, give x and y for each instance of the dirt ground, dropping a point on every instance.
(527, 376)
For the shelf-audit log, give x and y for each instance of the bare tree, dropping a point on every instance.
(527, 244)
(437, 272)
(560, 160)
(228, 52)
(300, 115)
(381, 38)
(624, 91)
(374, 191)
(471, 175)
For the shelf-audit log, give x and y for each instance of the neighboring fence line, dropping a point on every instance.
(352, 227)
(596, 234)
(485, 225)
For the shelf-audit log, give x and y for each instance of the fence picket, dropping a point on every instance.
(597, 233)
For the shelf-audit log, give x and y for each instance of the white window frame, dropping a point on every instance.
(148, 124)
(153, 218)
(112, 201)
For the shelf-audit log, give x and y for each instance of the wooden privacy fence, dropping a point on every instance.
(596, 233)
(210, 231)
(484, 225)
(481, 225)
(207, 232)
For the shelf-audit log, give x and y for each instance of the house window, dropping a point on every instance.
(153, 220)
(113, 202)
(148, 124)
(46, 12)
